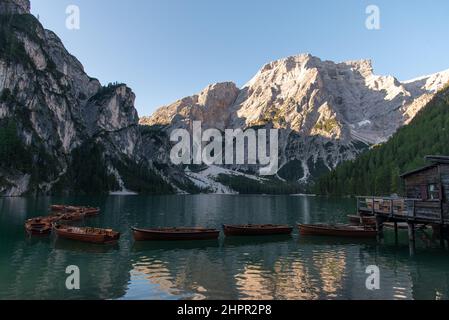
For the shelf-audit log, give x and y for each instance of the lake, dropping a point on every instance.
(233, 268)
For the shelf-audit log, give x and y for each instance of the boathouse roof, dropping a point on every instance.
(409, 173)
(433, 160)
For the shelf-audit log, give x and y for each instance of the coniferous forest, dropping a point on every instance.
(377, 171)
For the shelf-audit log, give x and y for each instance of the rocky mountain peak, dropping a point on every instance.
(327, 111)
(211, 106)
(218, 95)
(297, 65)
(364, 67)
(15, 6)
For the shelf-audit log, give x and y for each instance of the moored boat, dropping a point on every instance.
(38, 226)
(173, 234)
(64, 208)
(369, 221)
(89, 212)
(354, 219)
(256, 230)
(72, 216)
(57, 208)
(87, 234)
(337, 230)
(73, 208)
(362, 220)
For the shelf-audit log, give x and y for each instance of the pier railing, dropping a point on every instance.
(433, 211)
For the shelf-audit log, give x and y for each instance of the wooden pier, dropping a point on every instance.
(426, 202)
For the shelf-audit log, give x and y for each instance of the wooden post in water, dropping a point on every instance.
(411, 238)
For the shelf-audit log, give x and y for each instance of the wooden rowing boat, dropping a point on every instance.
(90, 212)
(46, 219)
(57, 208)
(72, 216)
(354, 219)
(38, 226)
(256, 230)
(336, 230)
(73, 209)
(173, 234)
(91, 235)
(63, 208)
(362, 220)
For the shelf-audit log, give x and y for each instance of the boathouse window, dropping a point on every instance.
(433, 192)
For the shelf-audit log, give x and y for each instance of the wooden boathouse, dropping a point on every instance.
(426, 200)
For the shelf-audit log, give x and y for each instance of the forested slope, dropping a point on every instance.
(377, 171)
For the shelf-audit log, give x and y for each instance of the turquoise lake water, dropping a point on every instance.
(233, 268)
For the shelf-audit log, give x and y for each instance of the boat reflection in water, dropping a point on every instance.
(144, 246)
(257, 240)
(82, 247)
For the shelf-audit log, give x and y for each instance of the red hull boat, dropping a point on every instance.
(73, 216)
(174, 234)
(41, 225)
(256, 230)
(38, 227)
(336, 231)
(91, 235)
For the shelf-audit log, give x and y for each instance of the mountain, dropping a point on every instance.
(377, 171)
(327, 112)
(61, 131)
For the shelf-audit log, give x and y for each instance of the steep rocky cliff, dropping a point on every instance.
(61, 130)
(327, 112)
(15, 6)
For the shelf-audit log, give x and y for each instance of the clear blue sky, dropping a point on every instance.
(168, 49)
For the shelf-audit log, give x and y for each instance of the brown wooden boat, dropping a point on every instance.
(45, 219)
(362, 220)
(72, 216)
(369, 221)
(354, 219)
(256, 230)
(73, 209)
(51, 218)
(38, 226)
(92, 235)
(337, 230)
(65, 208)
(57, 208)
(173, 234)
(90, 212)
